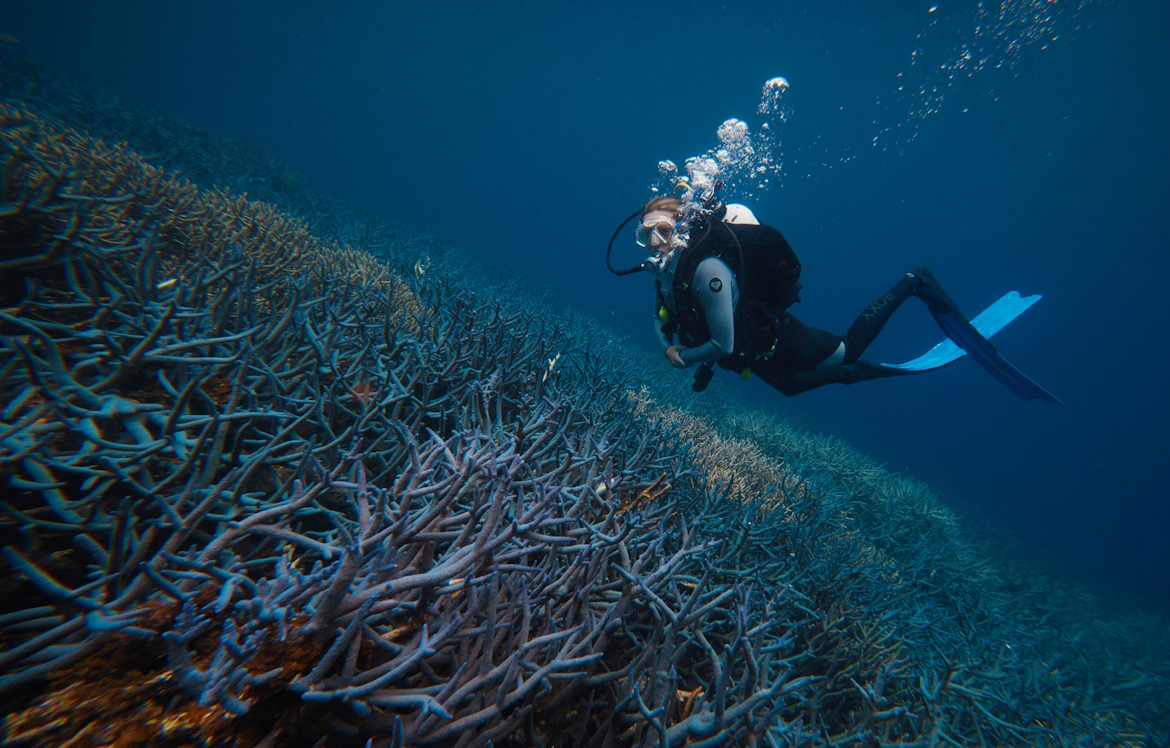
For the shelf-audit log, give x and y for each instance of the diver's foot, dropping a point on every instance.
(864, 371)
(858, 371)
(931, 292)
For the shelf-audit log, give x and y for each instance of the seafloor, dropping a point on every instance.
(275, 476)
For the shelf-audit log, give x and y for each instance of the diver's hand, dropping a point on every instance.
(672, 355)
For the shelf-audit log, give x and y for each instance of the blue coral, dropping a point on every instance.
(464, 514)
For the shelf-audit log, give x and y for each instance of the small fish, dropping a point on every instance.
(8, 39)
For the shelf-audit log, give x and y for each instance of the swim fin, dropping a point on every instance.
(968, 338)
(987, 323)
(964, 335)
(972, 340)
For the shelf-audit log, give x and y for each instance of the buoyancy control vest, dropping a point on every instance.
(767, 272)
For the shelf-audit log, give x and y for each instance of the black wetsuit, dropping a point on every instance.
(753, 329)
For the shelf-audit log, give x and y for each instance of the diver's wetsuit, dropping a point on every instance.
(794, 358)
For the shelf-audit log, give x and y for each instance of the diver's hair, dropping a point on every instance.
(663, 202)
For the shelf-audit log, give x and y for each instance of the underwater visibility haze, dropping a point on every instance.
(323, 423)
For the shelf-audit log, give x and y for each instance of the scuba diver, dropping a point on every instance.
(724, 283)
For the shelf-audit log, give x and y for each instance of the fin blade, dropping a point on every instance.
(988, 322)
(964, 333)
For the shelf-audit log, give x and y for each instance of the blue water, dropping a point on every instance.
(526, 133)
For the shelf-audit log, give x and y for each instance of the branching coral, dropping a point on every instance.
(292, 463)
(264, 489)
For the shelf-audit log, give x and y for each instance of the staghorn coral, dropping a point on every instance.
(290, 458)
(291, 501)
(75, 190)
(990, 647)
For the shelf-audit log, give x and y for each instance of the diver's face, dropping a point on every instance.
(657, 230)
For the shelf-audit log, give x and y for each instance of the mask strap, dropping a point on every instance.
(609, 249)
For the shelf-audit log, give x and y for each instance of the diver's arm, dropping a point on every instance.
(717, 293)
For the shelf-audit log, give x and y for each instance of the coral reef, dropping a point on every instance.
(249, 457)
(266, 488)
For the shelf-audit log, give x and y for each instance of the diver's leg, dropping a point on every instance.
(805, 358)
(792, 382)
(875, 316)
(933, 294)
(800, 347)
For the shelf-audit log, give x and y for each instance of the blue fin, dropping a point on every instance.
(962, 332)
(988, 322)
(971, 338)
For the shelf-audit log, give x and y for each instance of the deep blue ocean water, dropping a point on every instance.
(526, 132)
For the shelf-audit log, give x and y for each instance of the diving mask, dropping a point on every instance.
(646, 234)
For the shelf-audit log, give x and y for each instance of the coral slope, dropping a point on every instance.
(267, 488)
